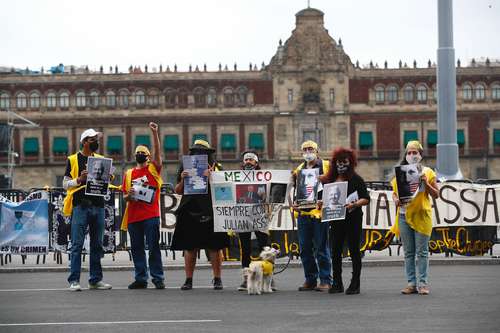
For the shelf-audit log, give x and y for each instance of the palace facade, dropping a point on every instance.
(309, 90)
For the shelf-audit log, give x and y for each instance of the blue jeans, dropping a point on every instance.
(150, 229)
(94, 218)
(314, 249)
(414, 244)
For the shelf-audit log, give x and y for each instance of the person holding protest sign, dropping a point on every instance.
(141, 188)
(250, 162)
(343, 163)
(85, 210)
(194, 229)
(312, 233)
(414, 222)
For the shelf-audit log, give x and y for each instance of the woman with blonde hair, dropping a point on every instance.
(414, 223)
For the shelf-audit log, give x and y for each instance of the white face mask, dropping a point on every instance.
(309, 157)
(413, 159)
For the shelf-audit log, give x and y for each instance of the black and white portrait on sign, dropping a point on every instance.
(99, 175)
(334, 200)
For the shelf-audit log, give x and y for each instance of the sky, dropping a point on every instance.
(37, 33)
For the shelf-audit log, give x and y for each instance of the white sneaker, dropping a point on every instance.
(75, 286)
(100, 286)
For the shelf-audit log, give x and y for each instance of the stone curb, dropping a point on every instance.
(237, 265)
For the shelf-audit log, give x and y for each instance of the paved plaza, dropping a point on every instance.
(464, 297)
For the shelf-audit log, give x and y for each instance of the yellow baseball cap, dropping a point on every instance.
(414, 144)
(142, 149)
(309, 144)
(201, 144)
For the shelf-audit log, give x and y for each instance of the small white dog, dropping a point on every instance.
(260, 273)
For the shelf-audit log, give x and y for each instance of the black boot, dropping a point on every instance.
(337, 287)
(353, 287)
(188, 285)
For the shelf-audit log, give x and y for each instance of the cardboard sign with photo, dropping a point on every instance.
(196, 182)
(99, 175)
(142, 190)
(408, 181)
(334, 200)
(278, 193)
(307, 188)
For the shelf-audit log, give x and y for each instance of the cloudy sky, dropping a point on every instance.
(129, 32)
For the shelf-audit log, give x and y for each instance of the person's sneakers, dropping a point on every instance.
(138, 285)
(243, 286)
(188, 284)
(322, 287)
(159, 284)
(424, 290)
(100, 286)
(74, 286)
(408, 290)
(336, 288)
(307, 287)
(217, 283)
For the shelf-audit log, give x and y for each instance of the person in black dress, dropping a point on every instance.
(343, 164)
(194, 229)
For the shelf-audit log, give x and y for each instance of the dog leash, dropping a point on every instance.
(290, 254)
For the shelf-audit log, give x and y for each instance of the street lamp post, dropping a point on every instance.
(447, 148)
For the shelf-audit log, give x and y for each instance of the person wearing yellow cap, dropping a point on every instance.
(194, 229)
(414, 223)
(86, 211)
(141, 188)
(313, 235)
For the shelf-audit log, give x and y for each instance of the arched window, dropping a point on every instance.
(94, 99)
(139, 98)
(495, 92)
(64, 100)
(153, 99)
(379, 94)
(228, 97)
(199, 97)
(422, 93)
(170, 98)
(241, 95)
(212, 97)
(408, 94)
(51, 100)
(467, 92)
(21, 101)
(34, 100)
(123, 99)
(479, 93)
(110, 99)
(81, 100)
(183, 98)
(392, 94)
(4, 101)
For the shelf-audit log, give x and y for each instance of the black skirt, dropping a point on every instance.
(195, 226)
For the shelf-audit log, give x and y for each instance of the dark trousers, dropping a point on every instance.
(350, 230)
(246, 245)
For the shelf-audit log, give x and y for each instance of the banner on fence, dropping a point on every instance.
(61, 225)
(243, 201)
(24, 225)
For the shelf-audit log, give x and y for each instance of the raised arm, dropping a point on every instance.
(156, 158)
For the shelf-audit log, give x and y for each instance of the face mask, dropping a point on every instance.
(413, 159)
(309, 157)
(94, 145)
(342, 167)
(248, 166)
(141, 158)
